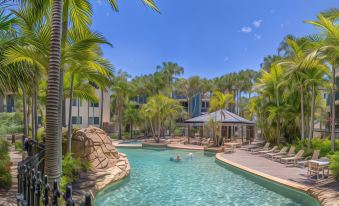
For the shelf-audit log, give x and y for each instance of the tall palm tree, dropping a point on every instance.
(271, 85)
(328, 44)
(53, 143)
(121, 89)
(296, 65)
(315, 79)
(132, 116)
(219, 102)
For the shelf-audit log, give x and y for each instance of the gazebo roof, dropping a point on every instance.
(222, 116)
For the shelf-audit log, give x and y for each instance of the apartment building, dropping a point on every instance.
(196, 105)
(7, 103)
(86, 114)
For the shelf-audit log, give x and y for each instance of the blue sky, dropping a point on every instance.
(207, 37)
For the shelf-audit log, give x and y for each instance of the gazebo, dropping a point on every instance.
(232, 126)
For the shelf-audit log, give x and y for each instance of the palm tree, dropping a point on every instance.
(121, 90)
(158, 110)
(219, 101)
(328, 44)
(271, 85)
(53, 144)
(131, 116)
(296, 65)
(315, 78)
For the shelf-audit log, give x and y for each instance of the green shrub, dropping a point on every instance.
(40, 134)
(11, 123)
(71, 169)
(18, 146)
(114, 136)
(5, 175)
(325, 147)
(3, 147)
(334, 164)
(5, 180)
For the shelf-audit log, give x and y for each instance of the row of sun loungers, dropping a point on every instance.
(284, 155)
(287, 155)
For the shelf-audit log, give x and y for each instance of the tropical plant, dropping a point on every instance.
(158, 110)
(132, 116)
(334, 165)
(328, 44)
(121, 90)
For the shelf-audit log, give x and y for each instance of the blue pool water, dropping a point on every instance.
(155, 180)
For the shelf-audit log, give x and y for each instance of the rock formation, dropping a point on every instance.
(107, 165)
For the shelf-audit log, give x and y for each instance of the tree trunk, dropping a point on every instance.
(102, 108)
(302, 113)
(310, 135)
(53, 141)
(131, 129)
(333, 108)
(69, 131)
(24, 101)
(63, 42)
(32, 117)
(120, 126)
(35, 110)
(78, 117)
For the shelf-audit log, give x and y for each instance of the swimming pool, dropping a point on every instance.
(155, 180)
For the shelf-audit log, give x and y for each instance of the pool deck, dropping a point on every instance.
(326, 191)
(185, 146)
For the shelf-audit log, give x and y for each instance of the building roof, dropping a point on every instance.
(222, 116)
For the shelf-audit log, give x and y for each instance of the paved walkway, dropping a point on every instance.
(8, 198)
(327, 191)
(185, 146)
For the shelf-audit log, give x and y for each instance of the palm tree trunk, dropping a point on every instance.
(333, 108)
(131, 129)
(69, 131)
(120, 126)
(32, 117)
(35, 110)
(102, 107)
(78, 117)
(302, 113)
(53, 140)
(25, 112)
(61, 85)
(310, 135)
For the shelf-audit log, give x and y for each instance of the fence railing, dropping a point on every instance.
(33, 186)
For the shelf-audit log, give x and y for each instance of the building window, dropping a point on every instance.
(75, 102)
(93, 120)
(39, 120)
(75, 118)
(94, 104)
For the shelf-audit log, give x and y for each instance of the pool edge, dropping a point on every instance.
(287, 183)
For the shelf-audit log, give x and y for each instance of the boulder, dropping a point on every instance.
(107, 165)
(93, 145)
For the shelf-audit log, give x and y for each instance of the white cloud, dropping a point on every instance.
(257, 36)
(257, 23)
(246, 29)
(107, 14)
(226, 59)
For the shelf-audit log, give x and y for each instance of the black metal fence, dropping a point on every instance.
(33, 186)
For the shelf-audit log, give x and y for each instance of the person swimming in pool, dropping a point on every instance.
(178, 158)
